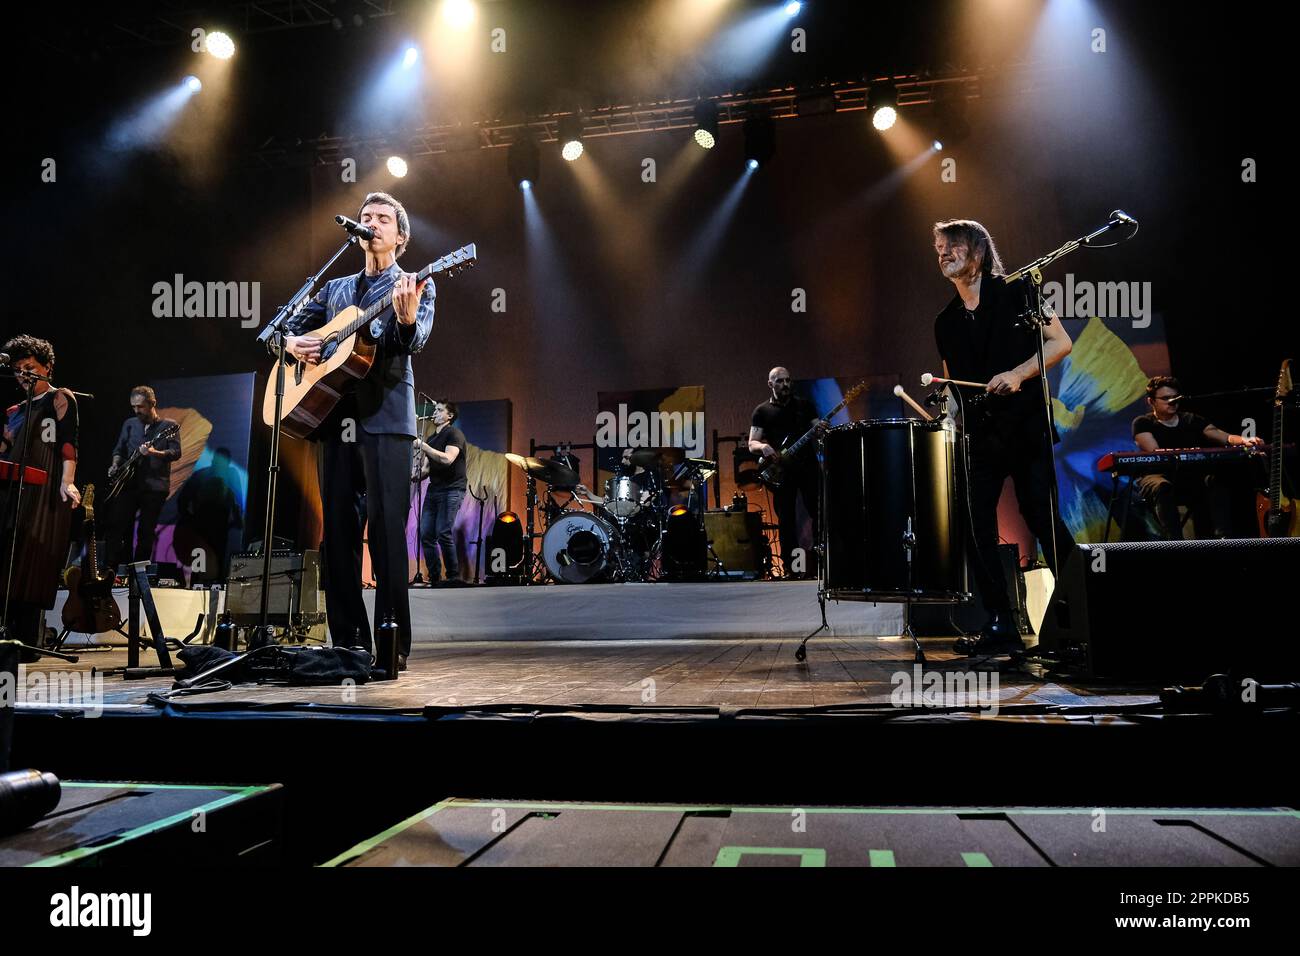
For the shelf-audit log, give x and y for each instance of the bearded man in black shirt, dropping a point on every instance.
(981, 339)
(776, 423)
(1169, 427)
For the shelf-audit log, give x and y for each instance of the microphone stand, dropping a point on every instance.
(1037, 316)
(273, 335)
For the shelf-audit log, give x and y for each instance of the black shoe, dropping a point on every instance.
(998, 636)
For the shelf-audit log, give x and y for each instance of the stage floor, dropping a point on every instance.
(735, 673)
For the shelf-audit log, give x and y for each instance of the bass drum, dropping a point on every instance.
(887, 482)
(577, 548)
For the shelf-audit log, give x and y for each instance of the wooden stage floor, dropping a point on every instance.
(735, 673)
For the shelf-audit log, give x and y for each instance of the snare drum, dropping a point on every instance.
(622, 496)
(576, 548)
(890, 489)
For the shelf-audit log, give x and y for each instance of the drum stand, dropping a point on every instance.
(909, 545)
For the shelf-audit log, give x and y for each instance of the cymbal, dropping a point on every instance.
(650, 457)
(552, 472)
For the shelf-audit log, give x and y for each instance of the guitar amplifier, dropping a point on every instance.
(738, 541)
(294, 575)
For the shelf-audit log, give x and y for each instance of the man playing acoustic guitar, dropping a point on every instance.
(364, 446)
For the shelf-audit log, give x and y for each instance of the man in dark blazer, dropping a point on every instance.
(365, 444)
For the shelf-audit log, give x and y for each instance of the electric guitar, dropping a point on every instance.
(347, 354)
(772, 474)
(124, 475)
(90, 607)
(1278, 515)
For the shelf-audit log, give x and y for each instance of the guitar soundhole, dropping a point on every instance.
(327, 350)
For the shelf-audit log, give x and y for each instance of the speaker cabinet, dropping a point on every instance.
(738, 541)
(1176, 611)
(295, 578)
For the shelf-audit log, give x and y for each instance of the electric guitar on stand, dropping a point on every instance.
(347, 354)
(90, 607)
(1278, 515)
(772, 474)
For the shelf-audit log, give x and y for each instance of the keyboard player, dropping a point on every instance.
(1166, 426)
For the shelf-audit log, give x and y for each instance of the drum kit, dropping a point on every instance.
(891, 529)
(617, 536)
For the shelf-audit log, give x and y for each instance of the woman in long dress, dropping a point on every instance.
(48, 429)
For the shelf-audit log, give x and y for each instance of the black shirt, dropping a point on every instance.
(784, 424)
(1188, 433)
(154, 472)
(447, 477)
(981, 344)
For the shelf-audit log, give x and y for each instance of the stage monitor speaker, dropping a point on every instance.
(1174, 611)
(738, 541)
(292, 572)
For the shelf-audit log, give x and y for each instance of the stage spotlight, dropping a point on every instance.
(459, 14)
(193, 84)
(523, 164)
(409, 57)
(792, 8)
(685, 546)
(570, 136)
(706, 123)
(220, 45)
(397, 166)
(882, 103)
(937, 146)
(760, 140)
(504, 557)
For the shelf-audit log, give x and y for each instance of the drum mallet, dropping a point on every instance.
(927, 379)
(916, 407)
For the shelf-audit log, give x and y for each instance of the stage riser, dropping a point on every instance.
(660, 611)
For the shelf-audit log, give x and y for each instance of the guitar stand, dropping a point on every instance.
(140, 593)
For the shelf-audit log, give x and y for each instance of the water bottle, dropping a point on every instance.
(224, 637)
(386, 647)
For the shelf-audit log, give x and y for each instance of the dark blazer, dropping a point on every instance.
(385, 397)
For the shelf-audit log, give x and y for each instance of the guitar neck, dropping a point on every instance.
(377, 308)
(806, 436)
(1275, 469)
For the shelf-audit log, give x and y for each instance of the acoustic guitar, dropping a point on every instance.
(347, 354)
(1278, 515)
(90, 607)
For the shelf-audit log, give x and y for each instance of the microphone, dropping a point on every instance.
(1119, 215)
(355, 228)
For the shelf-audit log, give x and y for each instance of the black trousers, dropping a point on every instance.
(1202, 495)
(377, 466)
(145, 503)
(1026, 458)
(805, 482)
